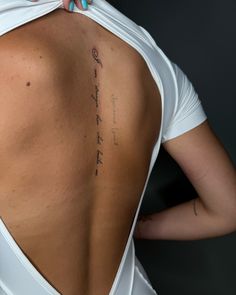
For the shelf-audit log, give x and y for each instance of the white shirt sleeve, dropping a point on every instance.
(188, 112)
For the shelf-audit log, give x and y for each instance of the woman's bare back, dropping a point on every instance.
(80, 114)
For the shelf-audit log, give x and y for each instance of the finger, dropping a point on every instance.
(69, 5)
(82, 4)
(79, 4)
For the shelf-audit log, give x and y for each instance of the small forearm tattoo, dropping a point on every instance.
(144, 218)
(194, 207)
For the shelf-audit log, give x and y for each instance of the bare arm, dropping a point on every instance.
(207, 165)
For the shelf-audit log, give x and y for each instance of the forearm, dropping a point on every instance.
(186, 221)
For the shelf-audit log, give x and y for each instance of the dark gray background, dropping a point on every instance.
(200, 36)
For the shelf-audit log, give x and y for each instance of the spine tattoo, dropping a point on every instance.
(95, 56)
(98, 119)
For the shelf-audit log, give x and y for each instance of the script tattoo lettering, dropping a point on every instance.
(114, 129)
(96, 98)
(114, 133)
(96, 93)
(98, 119)
(95, 56)
(114, 108)
(99, 138)
(99, 158)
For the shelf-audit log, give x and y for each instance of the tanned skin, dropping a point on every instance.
(80, 114)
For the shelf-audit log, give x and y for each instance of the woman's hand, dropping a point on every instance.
(81, 4)
(70, 4)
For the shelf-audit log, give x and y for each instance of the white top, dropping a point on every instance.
(181, 111)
